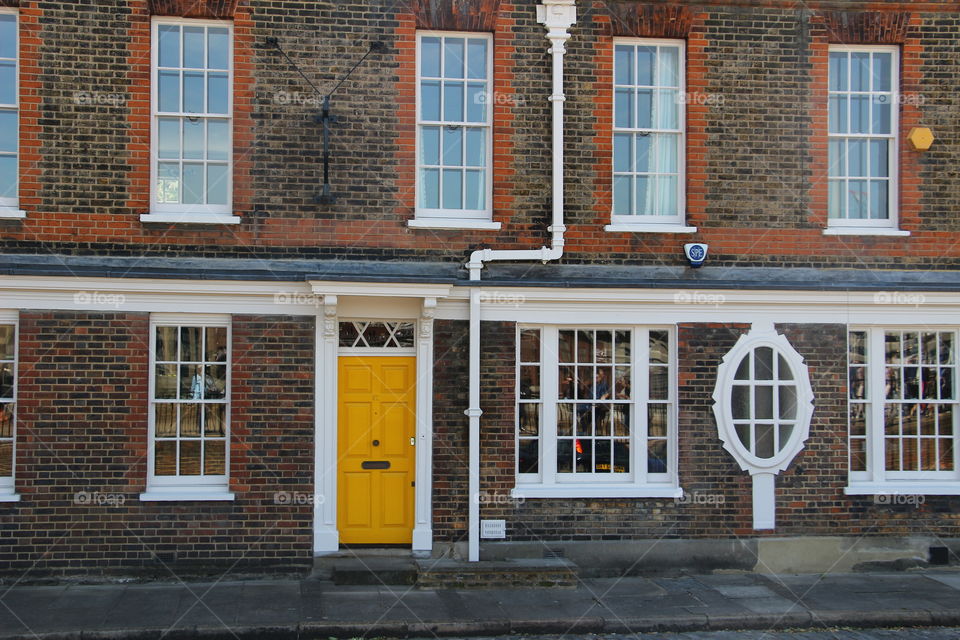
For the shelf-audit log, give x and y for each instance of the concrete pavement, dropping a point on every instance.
(312, 608)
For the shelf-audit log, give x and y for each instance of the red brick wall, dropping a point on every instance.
(82, 447)
(450, 433)
(809, 494)
(756, 172)
(498, 389)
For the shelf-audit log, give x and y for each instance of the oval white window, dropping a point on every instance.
(763, 401)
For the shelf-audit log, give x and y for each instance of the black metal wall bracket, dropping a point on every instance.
(325, 117)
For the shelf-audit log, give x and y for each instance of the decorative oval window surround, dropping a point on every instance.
(763, 404)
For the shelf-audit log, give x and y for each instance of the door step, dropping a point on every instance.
(433, 573)
(497, 574)
(366, 570)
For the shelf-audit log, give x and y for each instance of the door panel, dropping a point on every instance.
(377, 423)
(395, 487)
(396, 378)
(358, 513)
(395, 441)
(355, 441)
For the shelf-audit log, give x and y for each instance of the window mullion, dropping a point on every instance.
(550, 373)
(641, 373)
(151, 389)
(673, 430)
(876, 368)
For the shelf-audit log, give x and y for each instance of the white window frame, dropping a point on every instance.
(654, 223)
(171, 488)
(876, 480)
(10, 207)
(188, 213)
(8, 491)
(746, 347)
(480, 219)
(547, 482)
(866, 226)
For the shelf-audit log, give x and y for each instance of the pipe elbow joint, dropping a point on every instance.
(475, 263)
(548, 254)
(478, 257)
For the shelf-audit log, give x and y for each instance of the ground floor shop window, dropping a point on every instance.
(595, 410)
(903, 409)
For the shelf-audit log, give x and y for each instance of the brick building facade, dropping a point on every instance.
(209, 360)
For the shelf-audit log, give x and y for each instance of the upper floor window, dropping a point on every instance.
(595, 412)
(454, 114)
(863, 124)
(8, 399)
(903, 411)
(648, 133)
(9, 116)
(192, 114)
(189, 407)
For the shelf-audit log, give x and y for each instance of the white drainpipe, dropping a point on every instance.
(557, 16)
(474, 413)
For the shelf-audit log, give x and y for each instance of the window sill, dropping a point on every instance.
(11, 213)
(175, 495)
(865, 231)
(903, 489)
(190, 218)
(453, 223)
(9, 497)
(650, 228)
(596, 491)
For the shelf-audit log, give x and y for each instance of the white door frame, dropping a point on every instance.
(326, 537)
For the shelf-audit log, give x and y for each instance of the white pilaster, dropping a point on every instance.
(326, 538)
(423, 525)
(764, 501)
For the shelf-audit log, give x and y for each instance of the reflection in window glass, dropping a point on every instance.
(192, 85)
(902, 404)
(190, 403)
(604, 425)
(919, 383)
(862, 128)
(648, 130)
(8, 382)
(454, 124)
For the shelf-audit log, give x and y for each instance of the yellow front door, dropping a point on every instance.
(376, 431)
